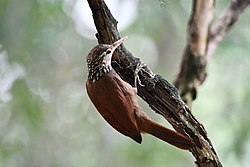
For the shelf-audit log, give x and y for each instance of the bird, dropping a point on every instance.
(116, 100)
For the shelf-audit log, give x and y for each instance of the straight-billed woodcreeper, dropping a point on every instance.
(116, 100)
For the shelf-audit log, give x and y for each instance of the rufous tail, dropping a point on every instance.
(148, 126)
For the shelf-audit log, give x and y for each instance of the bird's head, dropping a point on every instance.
(99, 59)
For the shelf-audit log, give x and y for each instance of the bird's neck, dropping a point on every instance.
(97, 71)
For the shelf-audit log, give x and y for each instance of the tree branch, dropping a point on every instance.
(227, 19)
(203, 39)
(161, 96)
(193, 67)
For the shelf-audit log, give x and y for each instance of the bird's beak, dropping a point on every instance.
(118, 43)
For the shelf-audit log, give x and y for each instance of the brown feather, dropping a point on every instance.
(116, 101)
(114, 104)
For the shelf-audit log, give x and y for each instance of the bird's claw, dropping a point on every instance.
(139, 67)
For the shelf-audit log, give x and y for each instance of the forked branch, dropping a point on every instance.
(203, 37)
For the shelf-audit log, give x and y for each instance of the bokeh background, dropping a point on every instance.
(46, 118)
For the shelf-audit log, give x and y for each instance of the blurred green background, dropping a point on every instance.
(46, 118)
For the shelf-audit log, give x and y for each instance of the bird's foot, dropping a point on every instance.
(139, 67)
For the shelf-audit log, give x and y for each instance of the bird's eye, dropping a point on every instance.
(108, 51)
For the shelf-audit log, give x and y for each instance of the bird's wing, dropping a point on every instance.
(114, 101)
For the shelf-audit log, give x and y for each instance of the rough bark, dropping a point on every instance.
(161, 96)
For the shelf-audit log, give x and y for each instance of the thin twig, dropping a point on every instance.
(222, 25)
